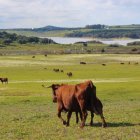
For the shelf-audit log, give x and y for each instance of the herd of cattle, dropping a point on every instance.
(69, 74)
(78, 98)
(122, 63)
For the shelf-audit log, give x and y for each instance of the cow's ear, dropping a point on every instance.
(53, 86)
(57, 86)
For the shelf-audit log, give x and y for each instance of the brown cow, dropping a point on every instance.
(69, 74)
(76, 112)
(4, 80)
(77, 98)
(82, 62)
(95, 105)
(103, 64)
(56, 70)
(136, 63)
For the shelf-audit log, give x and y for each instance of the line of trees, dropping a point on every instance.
(107, 33)
(7, 38)
(96, 26)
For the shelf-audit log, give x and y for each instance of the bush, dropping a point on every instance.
(114, 45)
(134, 49)
(46, 41)
(133, 43)
(103, 50)
(33, 39)
(7, 41)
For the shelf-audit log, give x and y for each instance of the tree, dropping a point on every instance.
(85, 44)
(45, 41)
(33, 39)
(7, 41)
(103, 50)
(22, 41)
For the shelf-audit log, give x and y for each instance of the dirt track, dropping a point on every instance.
(116, 80)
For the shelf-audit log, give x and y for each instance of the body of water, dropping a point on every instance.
(71, 40)
(120, 42)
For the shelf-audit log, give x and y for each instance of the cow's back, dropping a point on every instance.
(66, 94)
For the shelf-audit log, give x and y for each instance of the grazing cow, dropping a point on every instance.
(136, 63)
(61, 71)
(69, 74)
(77, 98)
(103, 64)
(95, 105)
(122, 63)
(4, 80)
(82, 62)
(56, 70)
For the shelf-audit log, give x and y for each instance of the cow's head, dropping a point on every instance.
(54, 88)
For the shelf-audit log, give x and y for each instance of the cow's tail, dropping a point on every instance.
(93, 89)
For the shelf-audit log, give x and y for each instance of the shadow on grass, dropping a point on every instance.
(115, 124)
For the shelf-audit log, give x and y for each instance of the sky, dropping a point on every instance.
(67, 13)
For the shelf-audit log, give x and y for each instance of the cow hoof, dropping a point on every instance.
(64, 122)
(81, 126)
(67, 125)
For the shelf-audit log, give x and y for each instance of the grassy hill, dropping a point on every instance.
(97, 31)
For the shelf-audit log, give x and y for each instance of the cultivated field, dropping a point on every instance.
(27, 111)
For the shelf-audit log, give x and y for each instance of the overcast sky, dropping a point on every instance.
(67, 13)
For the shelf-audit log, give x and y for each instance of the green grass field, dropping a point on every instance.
(27, 111)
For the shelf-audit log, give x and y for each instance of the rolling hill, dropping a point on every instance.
(96, 31)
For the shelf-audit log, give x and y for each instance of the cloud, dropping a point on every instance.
(37, 13)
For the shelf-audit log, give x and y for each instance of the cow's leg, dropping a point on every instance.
(68, 117)
(80, 115)
(104, 124)
(84, 112)
(84, 116)
(77, 118)
(59, 114)
(92, 115)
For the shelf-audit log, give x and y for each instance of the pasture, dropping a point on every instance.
(27, 110)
